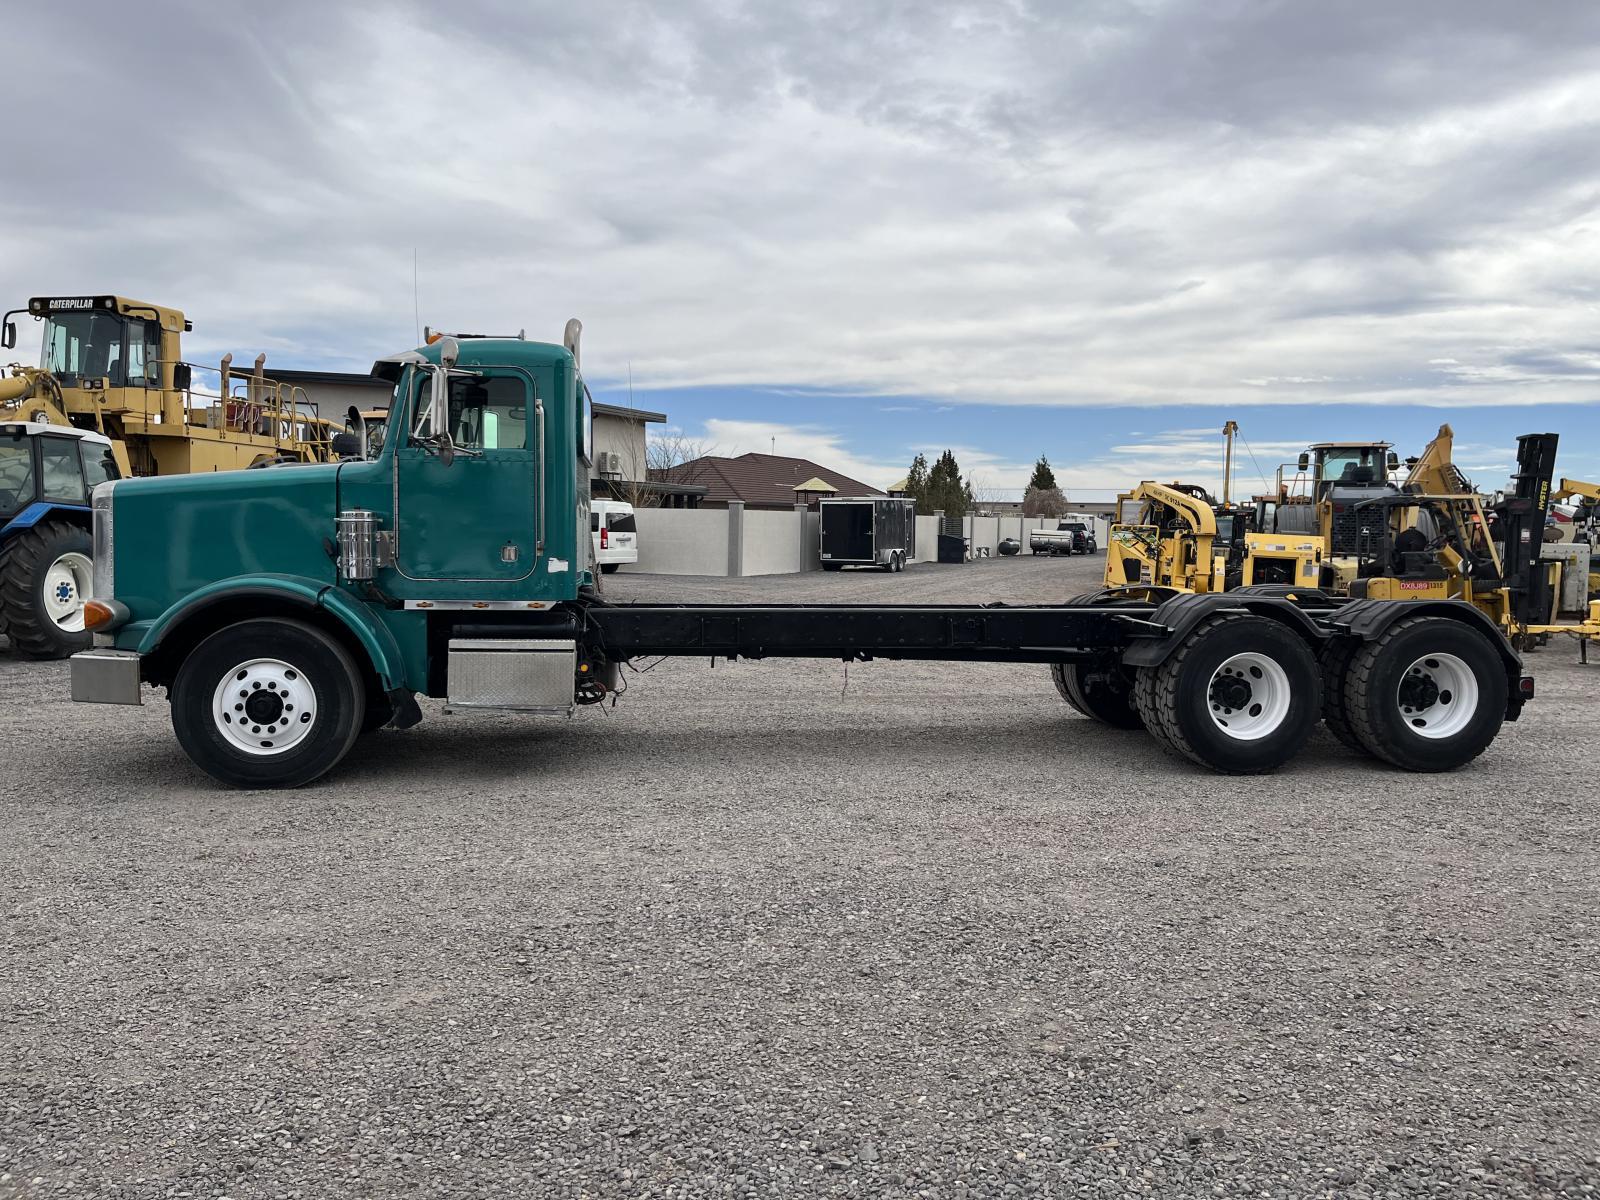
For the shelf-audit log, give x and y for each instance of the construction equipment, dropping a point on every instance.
(1176, 537)
(113, 367)
(286, 612)
(1585, 523)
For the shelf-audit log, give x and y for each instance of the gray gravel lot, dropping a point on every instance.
(756, 932)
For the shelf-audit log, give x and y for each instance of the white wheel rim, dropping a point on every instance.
(1438, 696)
(264, 707)
(1248, 696)
(66, 582)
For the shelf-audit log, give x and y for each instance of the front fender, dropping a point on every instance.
(294, 591)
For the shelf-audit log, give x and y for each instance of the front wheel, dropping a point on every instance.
(45, 576)
(268, 703)
(1240, 695)
(1428, 695)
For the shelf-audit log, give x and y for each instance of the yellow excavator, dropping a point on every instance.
(112, 397)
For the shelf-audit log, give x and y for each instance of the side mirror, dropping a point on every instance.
(8, 336)
(1394, 461)
(1305, 463)
(438, 401)
(182, 376)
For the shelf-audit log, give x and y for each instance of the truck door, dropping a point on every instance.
(475, 519)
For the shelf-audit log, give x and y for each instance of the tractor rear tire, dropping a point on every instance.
(1239, 695)
(268, 703)
(1336, 659)
(55, 558)
(1427, 695)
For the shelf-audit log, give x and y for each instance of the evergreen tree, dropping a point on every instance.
(917, 484)
(1044, 479)
(947, 491)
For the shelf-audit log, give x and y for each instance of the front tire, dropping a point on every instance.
(45, 576)
(268, 703)
(1240, 695)
(1428, 695)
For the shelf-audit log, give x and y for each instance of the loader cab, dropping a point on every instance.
(89, 340)
(1350, 465)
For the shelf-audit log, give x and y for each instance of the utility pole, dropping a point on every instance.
(1228, 430)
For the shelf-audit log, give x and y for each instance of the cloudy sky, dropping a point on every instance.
(856, 230)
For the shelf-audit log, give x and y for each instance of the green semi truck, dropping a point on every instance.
(289, 611)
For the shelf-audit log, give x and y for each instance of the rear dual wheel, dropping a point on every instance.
(1101, 690)
(1240, 695)
(1429, 694)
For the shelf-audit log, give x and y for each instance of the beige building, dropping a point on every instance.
(621, 469)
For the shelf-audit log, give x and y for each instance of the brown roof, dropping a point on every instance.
(762, 480)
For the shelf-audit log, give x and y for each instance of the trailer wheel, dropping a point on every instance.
(1428, 695)
(1239, 695)
(831, 566)
(45, 576)
(1336, 659)
(268, 703)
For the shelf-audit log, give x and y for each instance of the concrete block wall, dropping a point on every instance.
(739, 541)
(772, 542)
(682, 541)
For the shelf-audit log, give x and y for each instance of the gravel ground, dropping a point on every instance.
(763, 931)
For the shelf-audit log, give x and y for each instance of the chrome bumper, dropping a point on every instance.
(105, 677)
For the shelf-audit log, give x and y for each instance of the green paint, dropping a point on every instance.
(468, 531)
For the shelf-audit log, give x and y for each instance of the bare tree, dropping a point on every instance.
(983, 494)
(670, 449)
(1044, 502)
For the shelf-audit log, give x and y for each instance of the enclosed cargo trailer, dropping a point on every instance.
(868, 531)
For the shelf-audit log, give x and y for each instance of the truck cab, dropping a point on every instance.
(423, 569)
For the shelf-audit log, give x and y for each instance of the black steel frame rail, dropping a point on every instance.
(976, 633)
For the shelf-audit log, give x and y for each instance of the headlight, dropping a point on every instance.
(105, 563)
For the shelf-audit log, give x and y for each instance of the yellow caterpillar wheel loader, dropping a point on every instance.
(112, 397)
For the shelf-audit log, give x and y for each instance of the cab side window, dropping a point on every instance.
(98, 465)
(143, 348)
(60, 472)
(489, 413)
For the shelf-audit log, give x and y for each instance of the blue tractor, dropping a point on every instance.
(47, 473)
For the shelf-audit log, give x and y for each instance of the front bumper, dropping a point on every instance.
(106, 677)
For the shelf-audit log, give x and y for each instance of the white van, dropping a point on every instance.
(616, 537)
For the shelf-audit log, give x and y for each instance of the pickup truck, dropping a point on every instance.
(1070, 536)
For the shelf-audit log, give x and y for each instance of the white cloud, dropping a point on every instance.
(1123, 204)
